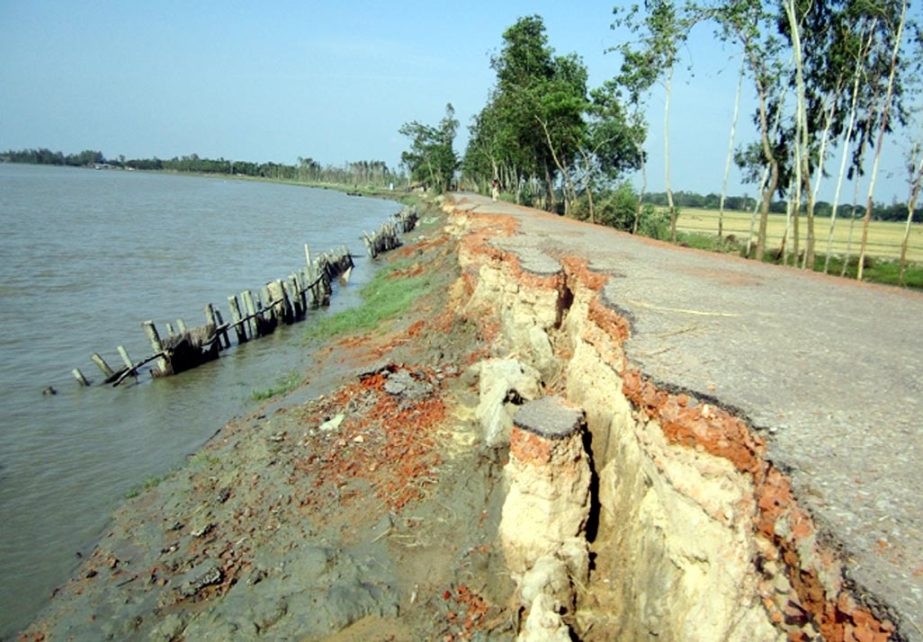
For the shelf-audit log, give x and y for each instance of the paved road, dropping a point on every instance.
(831, 370)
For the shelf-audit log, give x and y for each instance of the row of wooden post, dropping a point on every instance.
(387, 236)
(283, 301)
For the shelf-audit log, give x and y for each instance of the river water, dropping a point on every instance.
(86, 257)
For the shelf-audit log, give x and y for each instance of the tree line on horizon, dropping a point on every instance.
(377, 173)
(367, 173)
(828, 76)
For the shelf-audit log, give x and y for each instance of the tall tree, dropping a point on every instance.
(896, 22)
(859, 43)
(613, 143)
(915, 181)
(431, 158)
(751, 25)
(730, 154)
(523, 66)
(652, 59)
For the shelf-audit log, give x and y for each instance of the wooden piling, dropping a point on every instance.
(278, 302)
(170, 331)
(181, 326)
(222, 330)
(108, 372)
(296, 295)
(240, 327)
(265, 299)
(79, 377)
(291, 288)
(247, 296)
(211, 320)
(151, 331)
(125, 358)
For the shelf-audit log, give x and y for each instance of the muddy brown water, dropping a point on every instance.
(86, 257)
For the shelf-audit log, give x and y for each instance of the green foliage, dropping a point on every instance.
(387, 296)
(662, 31)
(44, 156)
(542, 127)
(431, 159)
(618, 208)
(284, 384)
(708, 242)
(371, 173)
(654, 223)
(614, 140)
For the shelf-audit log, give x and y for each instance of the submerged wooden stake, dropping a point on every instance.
(247, 296)
(211, 319)
(151, 331)
(79, 377)
(102, 365)
(125, 358)
(240, 327)
(222, 330)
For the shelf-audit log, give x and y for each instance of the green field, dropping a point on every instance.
(884, 236)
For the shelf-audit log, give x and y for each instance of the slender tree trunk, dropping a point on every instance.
(641, 194)
(847, 137)
(783, 248)
(570, 193)
(802, 151)
(550, 204)
(869, 204)
(772, 163)
(666, 154)
(852, 226)
(756, 209)
(589, 183)
(916, 183)
(730, 155)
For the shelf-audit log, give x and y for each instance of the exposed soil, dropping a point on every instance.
(363, 513)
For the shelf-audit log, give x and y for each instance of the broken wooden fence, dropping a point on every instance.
(252, 315)
(388, 235)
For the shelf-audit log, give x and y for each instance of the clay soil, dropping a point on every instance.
(358, 507)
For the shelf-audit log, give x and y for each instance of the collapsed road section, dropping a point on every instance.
(754, 430)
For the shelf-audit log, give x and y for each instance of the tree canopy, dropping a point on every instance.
(543, 128)
(431, 159)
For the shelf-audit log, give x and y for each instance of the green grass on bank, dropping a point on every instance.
(150, 482)
(285, 383)
(877, 269)
(387, 296)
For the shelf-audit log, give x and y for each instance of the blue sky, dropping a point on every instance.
(329, 80)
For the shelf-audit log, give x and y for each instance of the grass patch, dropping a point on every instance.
(709, 242)
(203, 460)
(285, 383)
(387, 296)
(150, 482)
(877, 270)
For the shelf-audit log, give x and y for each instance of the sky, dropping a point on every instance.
(332, 81)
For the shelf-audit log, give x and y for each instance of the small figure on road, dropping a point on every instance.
(495, 189)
